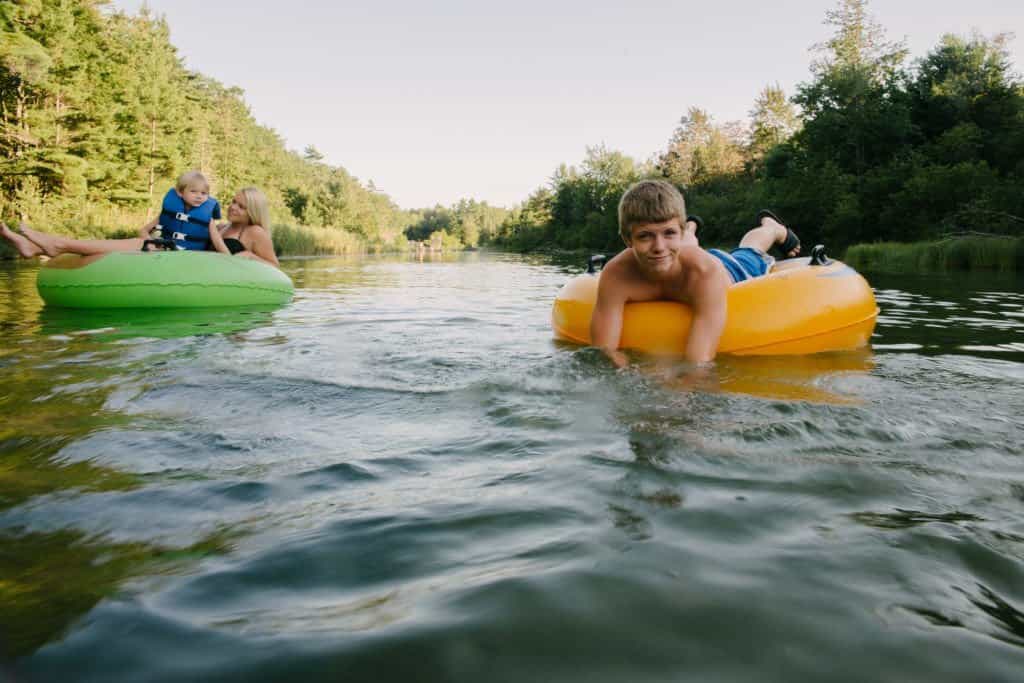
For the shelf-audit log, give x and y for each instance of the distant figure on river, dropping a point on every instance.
(664, 261)
(246, 233)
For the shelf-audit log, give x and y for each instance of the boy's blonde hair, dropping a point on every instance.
(257, 206)
(190, 178)
(649, 201)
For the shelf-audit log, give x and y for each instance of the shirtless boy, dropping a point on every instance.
(663, 261)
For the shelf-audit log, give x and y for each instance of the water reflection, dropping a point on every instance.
(52, 579)
(19, 301)
(818, 378)
(53, 397)
(978, 314)
(114, 324)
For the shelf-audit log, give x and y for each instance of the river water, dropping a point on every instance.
(400, 476)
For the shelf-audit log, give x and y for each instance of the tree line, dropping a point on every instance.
(868, 149)
(465, 224)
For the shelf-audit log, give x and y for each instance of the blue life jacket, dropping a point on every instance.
(189, 229)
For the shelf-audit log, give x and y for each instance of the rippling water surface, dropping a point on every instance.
(400, 476)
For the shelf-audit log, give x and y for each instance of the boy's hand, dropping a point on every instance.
(618, 358)
(146, 231)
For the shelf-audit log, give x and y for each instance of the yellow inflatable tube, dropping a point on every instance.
(796, 309)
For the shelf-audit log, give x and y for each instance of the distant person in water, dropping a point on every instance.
(246, 233)
(663, 261)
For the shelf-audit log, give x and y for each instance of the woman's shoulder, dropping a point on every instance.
(257, 229)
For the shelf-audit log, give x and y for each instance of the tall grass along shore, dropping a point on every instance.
(998, 253)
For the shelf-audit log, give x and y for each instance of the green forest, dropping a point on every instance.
(870, 150)
(98, 116)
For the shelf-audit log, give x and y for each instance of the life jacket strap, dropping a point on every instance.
(185, 218)
(190, 238)
(180, 235)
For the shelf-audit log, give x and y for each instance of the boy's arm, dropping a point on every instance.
(216, 241)
(708, 301)
(145, 230)
(606, 321)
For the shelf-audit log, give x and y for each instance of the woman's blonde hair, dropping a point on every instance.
(189, 178)
(257, 207)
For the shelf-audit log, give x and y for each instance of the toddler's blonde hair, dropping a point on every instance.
(190, 178)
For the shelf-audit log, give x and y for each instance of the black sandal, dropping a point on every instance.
(695, 219)
(791, 242)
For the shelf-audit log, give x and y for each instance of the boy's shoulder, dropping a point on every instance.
(623, 280)
(695, 255)
(622, 265)
(693, 258)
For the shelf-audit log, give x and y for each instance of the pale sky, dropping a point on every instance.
(439, 100)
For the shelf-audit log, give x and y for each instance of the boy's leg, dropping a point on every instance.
(766, 236)
(53, 245)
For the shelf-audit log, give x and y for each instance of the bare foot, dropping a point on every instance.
(24, 247)
(690, 235)
(48, 243)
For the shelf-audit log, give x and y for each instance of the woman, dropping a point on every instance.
(246, 234)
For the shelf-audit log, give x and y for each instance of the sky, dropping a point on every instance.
(447, 99)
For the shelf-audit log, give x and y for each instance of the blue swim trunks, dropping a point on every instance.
(744, 263)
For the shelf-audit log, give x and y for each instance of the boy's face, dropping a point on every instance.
(194, 195)
(656, 245)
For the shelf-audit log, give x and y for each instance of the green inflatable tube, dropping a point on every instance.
(171, 279)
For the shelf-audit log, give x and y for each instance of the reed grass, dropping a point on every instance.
(300, 240)
(993, 253)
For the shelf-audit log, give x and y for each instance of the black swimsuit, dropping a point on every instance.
(233, 245)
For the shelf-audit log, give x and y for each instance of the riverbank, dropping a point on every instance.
(999, 253)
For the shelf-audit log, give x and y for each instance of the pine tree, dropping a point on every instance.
(774, 119)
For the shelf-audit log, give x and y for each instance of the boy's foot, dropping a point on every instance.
(48, 243)
(698, 223)
(22, 245)
(790, 246)
(690, 228)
